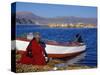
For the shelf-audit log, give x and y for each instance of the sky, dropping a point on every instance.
(51, 10)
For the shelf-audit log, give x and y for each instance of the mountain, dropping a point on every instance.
(26, 18)
(31, 18)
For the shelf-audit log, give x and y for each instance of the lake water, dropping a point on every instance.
(89, 36)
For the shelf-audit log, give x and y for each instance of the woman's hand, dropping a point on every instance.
(47, 59)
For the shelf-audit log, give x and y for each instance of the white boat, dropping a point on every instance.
(53, 50)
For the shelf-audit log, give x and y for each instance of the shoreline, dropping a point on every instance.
(49, 67)
(52, 65)
(44, 26)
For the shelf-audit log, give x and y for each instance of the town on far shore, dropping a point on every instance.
(71, 25)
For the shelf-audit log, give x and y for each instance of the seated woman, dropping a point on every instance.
(35, 52)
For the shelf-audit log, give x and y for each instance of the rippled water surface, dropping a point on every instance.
(89, 36)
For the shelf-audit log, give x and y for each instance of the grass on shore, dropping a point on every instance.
(20, 68)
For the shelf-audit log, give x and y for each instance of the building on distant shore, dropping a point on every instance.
(90, 26)
(71, 25)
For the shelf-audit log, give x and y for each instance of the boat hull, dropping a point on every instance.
(67, 55)
(53, 51)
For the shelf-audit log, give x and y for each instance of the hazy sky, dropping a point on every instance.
(51, 10)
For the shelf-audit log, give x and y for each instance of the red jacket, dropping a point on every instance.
(34, 54)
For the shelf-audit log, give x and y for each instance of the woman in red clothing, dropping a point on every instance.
(35, 52)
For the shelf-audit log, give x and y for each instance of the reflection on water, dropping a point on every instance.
(72, 60)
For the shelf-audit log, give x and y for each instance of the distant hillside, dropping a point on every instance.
(24, 18)
(31, 18)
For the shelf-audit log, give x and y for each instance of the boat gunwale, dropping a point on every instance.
(26, 40)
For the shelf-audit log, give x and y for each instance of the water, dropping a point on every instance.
(89, 36)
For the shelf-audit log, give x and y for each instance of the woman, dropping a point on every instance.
(35, 52)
